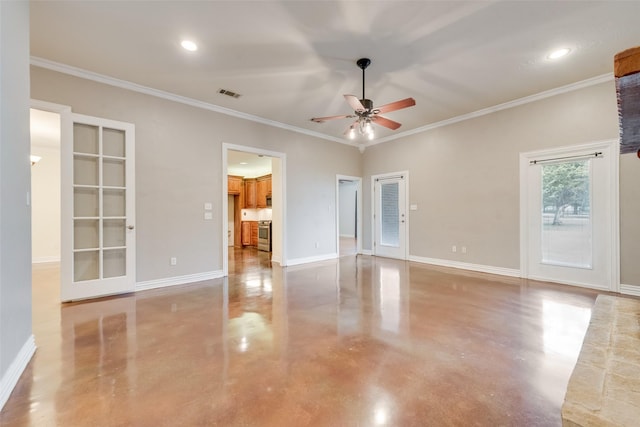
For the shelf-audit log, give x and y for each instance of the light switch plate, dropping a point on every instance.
(208, 215)
(208, 206)
(413, 207)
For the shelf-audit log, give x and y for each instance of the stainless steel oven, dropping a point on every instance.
(264, 236)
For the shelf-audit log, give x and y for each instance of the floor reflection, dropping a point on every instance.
(564, 327)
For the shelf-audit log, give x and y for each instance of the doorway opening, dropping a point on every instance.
(249, 213)
(45, 187)
(348, 215)
(253, 205)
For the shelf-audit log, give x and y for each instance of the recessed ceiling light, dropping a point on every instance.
(189, 45)
(559, 53)
(244, 163)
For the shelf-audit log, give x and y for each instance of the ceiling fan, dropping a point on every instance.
(364, 111)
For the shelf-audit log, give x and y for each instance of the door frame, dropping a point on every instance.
(282, 232)
(358, 181)
(612, 200)
(405, 174)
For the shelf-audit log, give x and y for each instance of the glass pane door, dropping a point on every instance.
(98, 207)
(566, 214)
(389, 215)
(99, 200)
(390, 222)
(568, 202)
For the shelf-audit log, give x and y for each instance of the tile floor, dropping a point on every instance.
(359, 341)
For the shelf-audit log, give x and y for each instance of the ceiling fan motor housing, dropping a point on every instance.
(367, 104)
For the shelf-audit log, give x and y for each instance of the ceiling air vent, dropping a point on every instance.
(229, 93)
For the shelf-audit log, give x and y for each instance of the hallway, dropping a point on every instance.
(356, 341)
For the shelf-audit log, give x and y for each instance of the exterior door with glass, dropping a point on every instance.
(570, 229)
(98, 236)
(390, 220)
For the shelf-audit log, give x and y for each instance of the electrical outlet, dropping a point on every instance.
(174, 260)
(317, 245)
(464, 249)
(454, 248)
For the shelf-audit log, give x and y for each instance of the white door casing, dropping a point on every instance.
(98, 207)
(599, 268)
(390, 219)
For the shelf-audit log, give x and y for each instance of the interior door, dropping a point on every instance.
(390, 220)
(570, 218)
(98, 207)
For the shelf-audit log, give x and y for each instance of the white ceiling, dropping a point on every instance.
(293, 60)
(255, 165)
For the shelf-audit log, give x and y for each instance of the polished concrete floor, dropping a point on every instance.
(359, 341)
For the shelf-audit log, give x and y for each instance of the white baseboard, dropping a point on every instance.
(277, 260)
(17, 367)
(566, 282)
(630, 290)
(367, 252)
(501, 271)
(43, 259)
(352, 236)
(178, 280)
(298, 261)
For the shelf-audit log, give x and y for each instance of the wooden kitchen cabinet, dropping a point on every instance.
(246, 233)
(234, 184)
(250, 201)
(249, 233)
(263, 190)
(254, 233)
(261, 193)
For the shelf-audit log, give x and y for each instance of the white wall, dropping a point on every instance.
(16, 341)
(179, 167)
(465, 177)
(347, 208)
(45, 205)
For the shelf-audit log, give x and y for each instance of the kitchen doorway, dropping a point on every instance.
(258, 199)
(348, 215)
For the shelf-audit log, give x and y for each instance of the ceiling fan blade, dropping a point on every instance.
(398, 105)
(383, 121)
(355, 103)
(324, 119)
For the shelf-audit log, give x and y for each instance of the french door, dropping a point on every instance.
(98, 207)
(390, 219)
(569, 204)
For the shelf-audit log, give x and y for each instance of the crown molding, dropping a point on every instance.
(504, 106)
(124, 84)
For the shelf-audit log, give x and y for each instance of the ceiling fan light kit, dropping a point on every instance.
(365, 113)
